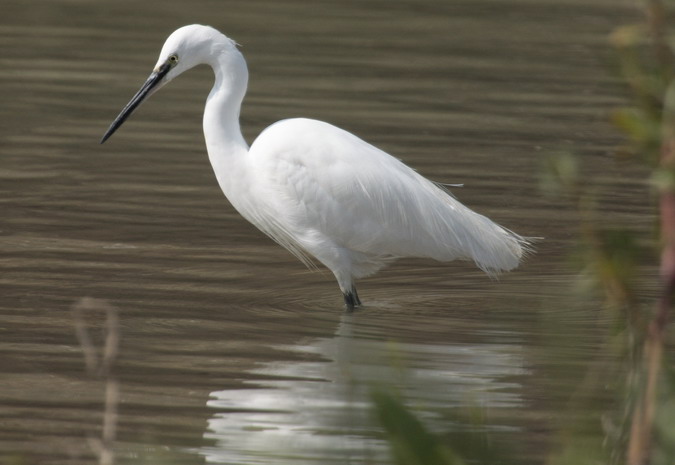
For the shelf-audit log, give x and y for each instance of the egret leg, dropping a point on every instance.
(352, 298)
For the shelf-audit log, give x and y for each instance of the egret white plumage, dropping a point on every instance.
(320, 191)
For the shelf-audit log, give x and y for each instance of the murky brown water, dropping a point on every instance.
(231, 352)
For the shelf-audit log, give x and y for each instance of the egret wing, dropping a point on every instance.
(327, 181)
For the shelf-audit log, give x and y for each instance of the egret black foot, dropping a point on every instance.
(352, 299)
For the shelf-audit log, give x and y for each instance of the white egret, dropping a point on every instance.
(318, 190)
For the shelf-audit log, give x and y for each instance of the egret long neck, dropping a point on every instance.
(224, 141)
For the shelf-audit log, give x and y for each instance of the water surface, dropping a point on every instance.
(231, 351)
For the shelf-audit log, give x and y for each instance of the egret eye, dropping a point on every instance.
(173, 59)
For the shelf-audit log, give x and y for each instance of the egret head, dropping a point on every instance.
(190, 46)
(185, 48)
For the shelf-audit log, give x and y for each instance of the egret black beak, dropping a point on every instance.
(145, 91)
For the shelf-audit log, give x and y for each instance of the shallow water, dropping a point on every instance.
(232, 352)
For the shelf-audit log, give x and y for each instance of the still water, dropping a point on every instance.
(231, 352)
